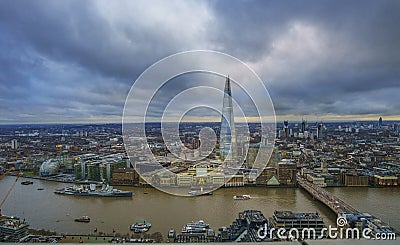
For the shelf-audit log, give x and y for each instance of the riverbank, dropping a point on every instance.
(46, 210)
(70, 181)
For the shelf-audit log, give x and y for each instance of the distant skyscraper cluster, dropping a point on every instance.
(302, 130)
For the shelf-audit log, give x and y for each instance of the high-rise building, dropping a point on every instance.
(380, 122)
(286, 128)
(227, 142)
(303, 126)
(14, 144)
(320, 129)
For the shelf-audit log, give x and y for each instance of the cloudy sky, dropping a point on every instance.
(75, 61)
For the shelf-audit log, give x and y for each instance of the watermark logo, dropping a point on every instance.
(341, 221)
(342, 231)
(191, 87)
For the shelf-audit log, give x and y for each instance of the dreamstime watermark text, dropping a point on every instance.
(339, 232)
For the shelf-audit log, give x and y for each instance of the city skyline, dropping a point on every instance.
(73, 62)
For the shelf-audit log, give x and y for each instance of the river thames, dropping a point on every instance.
(45, 210)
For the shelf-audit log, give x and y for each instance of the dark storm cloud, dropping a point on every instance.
(333, 53)
(73, 32)
(76, 60)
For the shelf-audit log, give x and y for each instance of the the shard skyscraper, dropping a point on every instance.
(227, 141)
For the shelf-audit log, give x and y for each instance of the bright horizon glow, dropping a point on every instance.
(194, 119)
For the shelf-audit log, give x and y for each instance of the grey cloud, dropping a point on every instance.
(78, 59)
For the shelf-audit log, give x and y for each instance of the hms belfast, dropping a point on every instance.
(105, 191)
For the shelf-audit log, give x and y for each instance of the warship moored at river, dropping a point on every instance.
(84, 190)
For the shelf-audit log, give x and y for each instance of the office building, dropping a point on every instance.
(287, 172)
(14, 144)
(302, 222)
(12, 229)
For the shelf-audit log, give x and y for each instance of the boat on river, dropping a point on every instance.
(195, 227)
(140, 226)
(91, 190)
(84, 219)
(242, 197)
(27, 182)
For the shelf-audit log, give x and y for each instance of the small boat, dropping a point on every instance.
(242, 197)
(171, 233)
(210, 233)
(140, 227)
(27, 182)
(191, 229)
(40, 189)
(84, 219)
(197, 193)
(195, 227)
(199, 223)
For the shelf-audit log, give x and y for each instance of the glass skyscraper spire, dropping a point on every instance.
(227, 142)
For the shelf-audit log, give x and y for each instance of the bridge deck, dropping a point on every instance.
(327, 198)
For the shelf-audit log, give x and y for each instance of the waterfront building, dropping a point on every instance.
(273, 181)
(12, 229)
(184, 179)
(201, 180)
(287, 172)
(98, 168)
(80, 170)
(379, 227)
(49, 167)
(365, 220)
(385, 180)
(218, 179)
(125, 176)
(234, 180)
(166, 179)
(354, 179)
(227, 141)
(316, 179)
(244, 228)
(356, 220)
(267, 174)
(301, 221)
(330, 179)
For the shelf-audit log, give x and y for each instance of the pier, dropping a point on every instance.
(334, 203)
(193, 238)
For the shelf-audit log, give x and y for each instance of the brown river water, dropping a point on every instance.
(44, 209)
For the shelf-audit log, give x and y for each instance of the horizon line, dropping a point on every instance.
(120, 123)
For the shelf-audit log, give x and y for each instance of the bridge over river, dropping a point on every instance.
(334, 203)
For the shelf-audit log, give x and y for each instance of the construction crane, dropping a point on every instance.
(6, 172)
(9, 191)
